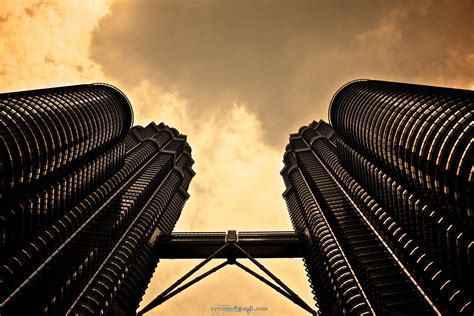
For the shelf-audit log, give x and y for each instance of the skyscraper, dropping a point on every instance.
(83, 198)
(380, 199)
(384, 195)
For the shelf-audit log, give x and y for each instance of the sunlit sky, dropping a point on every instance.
(237, 77)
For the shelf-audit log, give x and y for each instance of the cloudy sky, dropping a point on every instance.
(236, 77)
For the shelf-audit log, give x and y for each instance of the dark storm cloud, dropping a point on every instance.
(283, 59)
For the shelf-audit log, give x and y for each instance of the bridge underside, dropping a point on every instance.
(230, 246)
(270, 244)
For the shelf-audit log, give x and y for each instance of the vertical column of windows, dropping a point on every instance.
(427, 131)
(76, 124)
(156, 213)
(434, 274)
(453, 298)
(103, 110)
(68, 142)
(60, 288)
(324, 245)
(431, 230)
(400, 133)
(47, 205)
(418, 218)
(80, 142)
(33, 126)
(45, 243)
(368, 114)
(344, 282)
(103, 233)
(314, 264)
(53, 131)
(388, 125)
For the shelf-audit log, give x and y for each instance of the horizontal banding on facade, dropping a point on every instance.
(420, 135)
(51, 131)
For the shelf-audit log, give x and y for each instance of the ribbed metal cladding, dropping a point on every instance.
(444, 240)
(334, 283)
(47, 131)
(121, 280)
(384, 237)
(57, 145)
(80, 236)
(421, 135)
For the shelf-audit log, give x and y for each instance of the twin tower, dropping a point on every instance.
(381, 201)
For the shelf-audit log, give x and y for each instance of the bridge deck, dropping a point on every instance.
(270, 244)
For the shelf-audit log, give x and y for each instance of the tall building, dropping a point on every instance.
(84, 196)
(380, 200)
(385, 197)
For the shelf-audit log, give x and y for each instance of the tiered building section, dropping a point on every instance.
(83, 200)
(384, 196)
(381, 202)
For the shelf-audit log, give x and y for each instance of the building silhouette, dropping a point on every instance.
(83, 197)
(385, 197)
(381, 201)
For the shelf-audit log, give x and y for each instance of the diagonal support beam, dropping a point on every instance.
(295, 297)
(153, 303)
(230, 248)
(276, 288)
(160, 299)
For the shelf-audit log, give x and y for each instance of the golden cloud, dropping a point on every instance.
(46, 43)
